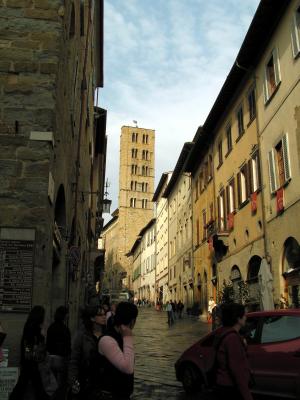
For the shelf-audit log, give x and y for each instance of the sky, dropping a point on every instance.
(165, 62)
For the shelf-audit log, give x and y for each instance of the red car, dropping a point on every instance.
(273, 339)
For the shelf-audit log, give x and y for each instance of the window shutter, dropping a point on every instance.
(219, 216)
(266, 91)
(258, 170)
(276, 66)
(228, 200)
(272, 175)
(250, 177)
(286, 158)
(295, 37)
(239, 188)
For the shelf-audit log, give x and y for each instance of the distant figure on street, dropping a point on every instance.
(169, 310)
(83, 374)
(211, 305)
(233, 370)
(59, 349)
(216, 316)
(110, 316)
(117, 354)
(180, 307)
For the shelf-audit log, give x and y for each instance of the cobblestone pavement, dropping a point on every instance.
(157, 347)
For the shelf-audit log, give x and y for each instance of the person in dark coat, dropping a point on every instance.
(83, 367)
(33, 351)
(59, 349)
(233, 370)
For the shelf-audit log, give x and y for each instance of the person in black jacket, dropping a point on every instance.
(82, 371)
(33, 351)
(59, 349)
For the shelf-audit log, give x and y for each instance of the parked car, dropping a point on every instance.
(273, 339)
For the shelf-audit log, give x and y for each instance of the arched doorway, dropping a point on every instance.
(236, 278)
(291, 271)
(253, 284)
(59, 270)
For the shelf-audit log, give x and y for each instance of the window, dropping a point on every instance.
(221, 211)
(240, 121)
(242, 179)
(220, 153)
(279, 164)
(211, 212)
(201, 181)
(251, 104)
(280, 328)
(229, 138)
(72, 22)
(134, 169)
(272, 75)
(134, 153)
(197, 231)
(196, 189)
(144, 203)
(82, 18)
(204, 224)
(134, 137)
(254, 173)
(210, 168)
(132, 202)
(296, 33)
(230, 197)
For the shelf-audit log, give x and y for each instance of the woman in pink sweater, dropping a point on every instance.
(117, 353)
(233, 371)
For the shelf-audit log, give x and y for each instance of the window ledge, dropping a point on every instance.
(272, 94)
(242, 205)
(228, 152)
(240, 136)
(251, 120)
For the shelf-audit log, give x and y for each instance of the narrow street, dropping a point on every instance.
(157, 348)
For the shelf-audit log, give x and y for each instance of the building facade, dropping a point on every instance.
(162, 239)
(52, 158)
(278, 101)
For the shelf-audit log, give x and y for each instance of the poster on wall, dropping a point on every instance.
(16, 269)
(8, 379)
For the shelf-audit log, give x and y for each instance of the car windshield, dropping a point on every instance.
(280, 328)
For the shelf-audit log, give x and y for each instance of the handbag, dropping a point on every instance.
(35, 352)
(47, 377)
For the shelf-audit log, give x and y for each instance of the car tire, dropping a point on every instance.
(190, 378)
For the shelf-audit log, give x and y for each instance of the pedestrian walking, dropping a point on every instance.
(169, 310)
(211, 305)
(83, 374)
(117, 354)
(33, 351)
(180, 307)
(59, 349)
(233, 374)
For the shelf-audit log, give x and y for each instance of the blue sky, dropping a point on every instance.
(164, 64)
